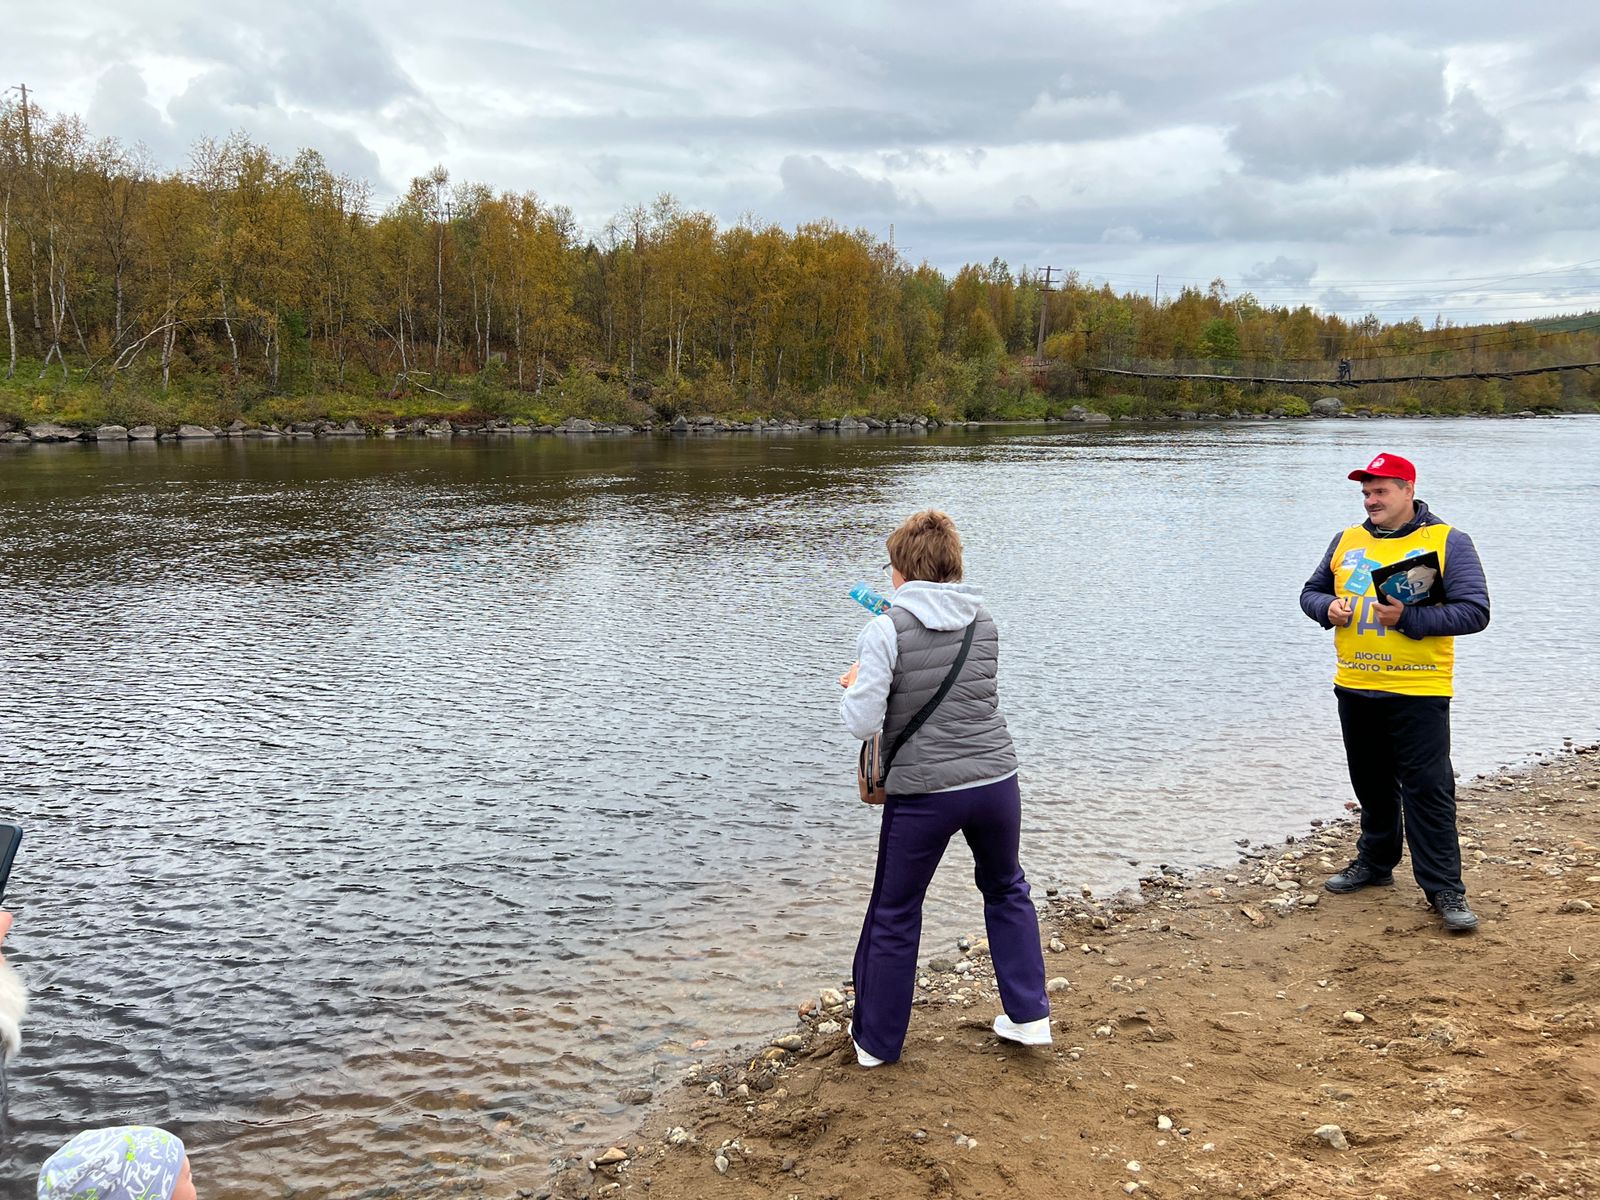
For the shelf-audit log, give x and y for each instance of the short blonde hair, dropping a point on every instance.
(927, 547)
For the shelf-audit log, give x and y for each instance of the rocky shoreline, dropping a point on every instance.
(1229, 1031)
(447, 428)
(443, 427)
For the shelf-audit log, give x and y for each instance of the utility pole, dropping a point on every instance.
(1044, 312)
(444, 214)
(27, 130)
(33, 251)
(1157, 302)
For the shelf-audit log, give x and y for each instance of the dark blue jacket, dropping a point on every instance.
(1465, 608)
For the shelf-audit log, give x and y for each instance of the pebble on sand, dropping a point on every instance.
(1354, 1018)
(1332, 1135)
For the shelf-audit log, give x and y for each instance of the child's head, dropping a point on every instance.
(125, 1162)
(927, 547)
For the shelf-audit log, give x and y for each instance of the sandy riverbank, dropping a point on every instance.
(1208, 1032)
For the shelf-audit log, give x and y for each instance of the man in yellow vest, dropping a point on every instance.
(1395, 649)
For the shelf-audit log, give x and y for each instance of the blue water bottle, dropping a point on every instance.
(869, 599)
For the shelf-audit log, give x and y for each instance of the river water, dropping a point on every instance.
(392, 805)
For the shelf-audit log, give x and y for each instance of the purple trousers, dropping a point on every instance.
(915, 831)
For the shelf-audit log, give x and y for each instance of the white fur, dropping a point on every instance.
(13, 1006)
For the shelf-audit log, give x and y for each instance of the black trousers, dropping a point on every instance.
(1398, 750)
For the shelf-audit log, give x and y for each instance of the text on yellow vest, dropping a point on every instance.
(1370, 656)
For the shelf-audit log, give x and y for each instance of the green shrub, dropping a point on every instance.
(583, 393)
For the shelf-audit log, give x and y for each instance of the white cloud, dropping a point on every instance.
(1296, 272)
(1165, 136)
(1376, 103)
(810, 183)
(1075, 116)
(121, 108)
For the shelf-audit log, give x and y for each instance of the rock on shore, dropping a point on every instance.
(51, 432)
(441, 427)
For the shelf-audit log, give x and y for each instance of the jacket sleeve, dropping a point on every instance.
(1317, 594)
(1465, 608)
(867, 700)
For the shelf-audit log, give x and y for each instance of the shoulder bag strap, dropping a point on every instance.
(926, 711)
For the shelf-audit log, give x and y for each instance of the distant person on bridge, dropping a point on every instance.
(1394, 680)
(1344, 370)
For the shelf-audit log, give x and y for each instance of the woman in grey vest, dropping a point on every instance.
(956, 773)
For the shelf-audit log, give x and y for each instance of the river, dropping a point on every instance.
(392, 805)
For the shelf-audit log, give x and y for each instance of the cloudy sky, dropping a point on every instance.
(1407, 158)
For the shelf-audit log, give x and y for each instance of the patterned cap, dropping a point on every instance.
(125, 1162)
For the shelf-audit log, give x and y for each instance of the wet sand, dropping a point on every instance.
(1208, 1028)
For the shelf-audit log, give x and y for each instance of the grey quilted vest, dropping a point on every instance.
(965, 740)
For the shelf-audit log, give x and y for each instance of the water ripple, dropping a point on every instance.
(392, 805)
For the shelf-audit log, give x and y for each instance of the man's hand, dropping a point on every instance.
(848, 679)
(1389, 611)
(1340, 611)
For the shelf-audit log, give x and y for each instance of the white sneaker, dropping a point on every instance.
(862, 1057)
(1029, 1033)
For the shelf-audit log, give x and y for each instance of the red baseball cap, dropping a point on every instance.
(1389, 466)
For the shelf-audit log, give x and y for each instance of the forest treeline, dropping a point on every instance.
(246, 282)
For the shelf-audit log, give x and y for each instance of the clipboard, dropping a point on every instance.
(1416, 581)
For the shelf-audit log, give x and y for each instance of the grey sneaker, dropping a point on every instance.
(1358, 875)
(1452, 909)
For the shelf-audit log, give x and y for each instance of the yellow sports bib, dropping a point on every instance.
(1370, 656)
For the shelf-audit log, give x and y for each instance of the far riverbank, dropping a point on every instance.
(447, 427)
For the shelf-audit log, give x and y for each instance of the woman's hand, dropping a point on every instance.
(848, 679)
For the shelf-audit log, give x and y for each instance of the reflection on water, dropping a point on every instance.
(392, 805)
